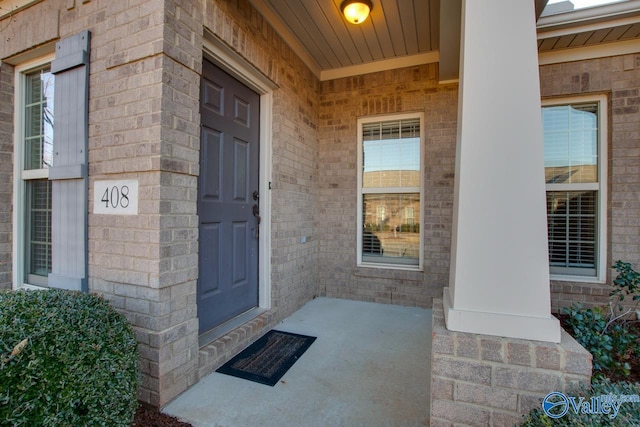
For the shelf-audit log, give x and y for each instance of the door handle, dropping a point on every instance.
(256, 214)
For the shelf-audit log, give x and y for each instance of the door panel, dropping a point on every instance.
(239, 253)
(211, 154)
(241, 166)
(209, 259)
(229, 174)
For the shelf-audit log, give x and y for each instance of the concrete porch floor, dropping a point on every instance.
(369, 366)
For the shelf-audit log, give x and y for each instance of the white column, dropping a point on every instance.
(499, 281)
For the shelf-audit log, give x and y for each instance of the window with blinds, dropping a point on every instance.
(37, 137)
(390, 192)
(573, 175)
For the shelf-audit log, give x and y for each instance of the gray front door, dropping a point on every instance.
(228, 199)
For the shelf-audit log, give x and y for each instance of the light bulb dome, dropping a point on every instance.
(356, 11)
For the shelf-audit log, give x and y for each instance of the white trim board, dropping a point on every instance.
(18, 247)
(384, 65)
(602, 185)
(590, 52)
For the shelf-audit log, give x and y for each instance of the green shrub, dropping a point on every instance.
(66, 359)
(629, 414)
(604, 331)
(627, 284)
(610, 344)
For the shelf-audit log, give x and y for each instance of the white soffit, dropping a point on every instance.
(396, 34)
(599, 28)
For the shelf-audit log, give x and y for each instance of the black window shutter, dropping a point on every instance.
(69, 171)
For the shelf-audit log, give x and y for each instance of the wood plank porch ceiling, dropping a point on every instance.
(402, 33)
(318, 32)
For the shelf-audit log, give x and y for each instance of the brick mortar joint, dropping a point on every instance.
(494, 363)
(489, 410)
(559, 375)
(519, 394)
(134, 60)
(475, 405)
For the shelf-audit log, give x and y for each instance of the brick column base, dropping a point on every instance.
(482, 380)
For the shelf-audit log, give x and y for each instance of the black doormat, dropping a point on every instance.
(268, 359)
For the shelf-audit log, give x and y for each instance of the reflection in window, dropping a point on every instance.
(390, 192)
(398, 236)
(38, 119)
(570, 143)
(408, 215)
(391, 154)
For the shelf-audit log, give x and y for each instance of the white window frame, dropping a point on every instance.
(373, 119)
(600, 186)
(19, 174)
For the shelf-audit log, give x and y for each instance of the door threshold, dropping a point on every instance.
(215, 333)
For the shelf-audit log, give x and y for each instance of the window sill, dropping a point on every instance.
(390, 266)
(31, 287)
(579, 279)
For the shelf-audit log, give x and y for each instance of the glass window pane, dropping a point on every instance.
(391, 154)
(571, 139)
(391, 228)
(572, 228)
(570, 143)
(38, 231)
(38, 119)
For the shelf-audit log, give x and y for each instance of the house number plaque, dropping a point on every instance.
(115, 197)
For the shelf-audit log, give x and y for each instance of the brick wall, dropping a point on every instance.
(179, 163)
(6, 174)
(482, 380)
(19, 34)
(342, 101)
(619, 78)
(134, 108)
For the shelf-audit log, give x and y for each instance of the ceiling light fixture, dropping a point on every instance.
(356, 11)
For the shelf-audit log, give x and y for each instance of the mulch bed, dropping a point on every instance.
(150, 416)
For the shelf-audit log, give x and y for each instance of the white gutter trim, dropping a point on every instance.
(595, 26)
(592, 14)
(602, 50)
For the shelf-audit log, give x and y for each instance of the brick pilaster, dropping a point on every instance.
(482, 380)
